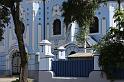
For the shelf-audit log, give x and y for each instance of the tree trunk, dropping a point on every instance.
(23, 55)
(19, 31)
(23, 74)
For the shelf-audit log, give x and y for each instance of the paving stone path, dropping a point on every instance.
(7, 79)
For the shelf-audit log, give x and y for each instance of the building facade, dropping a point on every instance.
(32, 14)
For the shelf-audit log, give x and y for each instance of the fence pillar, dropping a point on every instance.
(45, 55)
(96, 62)
(61, 52)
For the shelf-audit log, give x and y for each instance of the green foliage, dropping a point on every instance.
(82, 34)
(111, 54)
(4, 19)
(111, 47)
(81, 11)
(9, 3)
(119, 18)
(1, 33)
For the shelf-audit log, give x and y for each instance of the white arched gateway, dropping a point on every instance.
(13, 60)
(71, 48)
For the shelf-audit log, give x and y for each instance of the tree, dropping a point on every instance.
(13, 6)
(81, 11)
(112, 45)
(4, 19)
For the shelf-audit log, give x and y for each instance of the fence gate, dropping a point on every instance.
(73, 68)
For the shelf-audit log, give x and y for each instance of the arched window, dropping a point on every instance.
(94, 28)
(57, 27)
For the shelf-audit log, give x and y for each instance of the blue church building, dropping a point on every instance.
(32, 14)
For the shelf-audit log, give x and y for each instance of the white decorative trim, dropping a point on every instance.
(71, 47)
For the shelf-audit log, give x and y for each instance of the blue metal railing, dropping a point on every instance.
(72, 68)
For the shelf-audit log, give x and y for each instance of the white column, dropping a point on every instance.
(39, 33)
(103, 25)
(46, 56)
(74, 27)
(96, 62)
(61, 52)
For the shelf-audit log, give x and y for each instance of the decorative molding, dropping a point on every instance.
(71, 47)
(56, 10)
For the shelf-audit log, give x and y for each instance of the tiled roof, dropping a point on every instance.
(81, 55)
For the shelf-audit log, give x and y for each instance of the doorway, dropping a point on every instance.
(16, 61)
